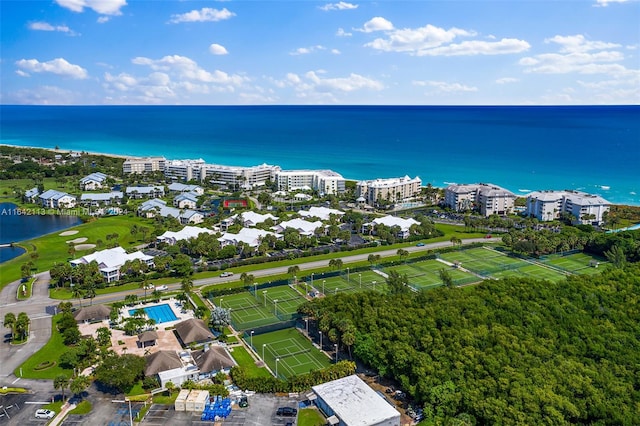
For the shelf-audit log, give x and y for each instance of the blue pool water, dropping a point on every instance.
(158, 313)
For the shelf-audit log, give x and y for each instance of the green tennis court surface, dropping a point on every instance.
(577, 263)
(294, 352)
(246, 312)
(426, 274)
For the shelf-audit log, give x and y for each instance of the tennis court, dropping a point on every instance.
(294, 353)
(577, 263)
(426, 274)
(246, 312)
(282, 300)
(353, 282)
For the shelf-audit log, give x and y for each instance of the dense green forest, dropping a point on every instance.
(514, 351)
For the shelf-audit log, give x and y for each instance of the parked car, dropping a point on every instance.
(243, 402)
(226, 274)
(162, 288)
(45, 414)
(286, 412)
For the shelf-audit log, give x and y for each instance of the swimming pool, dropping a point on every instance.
(158, 313)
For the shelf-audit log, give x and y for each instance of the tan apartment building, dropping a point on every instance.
(392, 190)
(486, 198)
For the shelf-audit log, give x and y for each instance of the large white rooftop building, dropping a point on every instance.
(246, 177)
(487, 198)
(111, 260)
(548, 205)
(143, 164)
(392, 190)
(323, 181)
(351, 402)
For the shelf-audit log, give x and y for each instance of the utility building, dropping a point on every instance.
(351, 402)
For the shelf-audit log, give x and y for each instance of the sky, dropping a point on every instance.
(453, 52)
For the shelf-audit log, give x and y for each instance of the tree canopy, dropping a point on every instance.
(514, 351)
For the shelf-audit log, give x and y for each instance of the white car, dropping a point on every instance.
(226, 274)
(162, 288)
(45, 414)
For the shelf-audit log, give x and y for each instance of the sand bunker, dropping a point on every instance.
(84, 246)
(67, 233)
(77, 240)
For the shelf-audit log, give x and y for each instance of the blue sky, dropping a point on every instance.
(306, 52)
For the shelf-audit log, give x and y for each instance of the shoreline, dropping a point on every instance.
(518, 192)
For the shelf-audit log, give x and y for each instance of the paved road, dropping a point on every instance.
(39, 309)
(40, 306)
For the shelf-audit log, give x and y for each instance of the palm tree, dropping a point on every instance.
(402, 254)
(187, 285)
(22, 325)
(144, 284)
(61, 382)
(10, 322)
(91, 293)
(293, 270)
(77, 292)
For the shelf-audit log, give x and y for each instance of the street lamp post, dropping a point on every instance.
(312, 279)
(347, 274)
(221, 302)
(335, 345)
(277, 360)
(255, 288)
(306, 323)
(263, 346)
(251, 339)
(321, 340)
(374, 284)
(360, 279)
(323, 281)
(264, 293)
(275, 306)
(306, 289)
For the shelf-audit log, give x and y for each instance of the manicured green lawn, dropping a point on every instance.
(53, 247)
(84, 407)
(247, 362)
(49, 352)
(310, 417)
(136, 390)
(28, 289)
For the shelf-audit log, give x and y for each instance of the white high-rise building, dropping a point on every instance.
(586, 208)
(323, 181)
(487, 198)
(393, 189)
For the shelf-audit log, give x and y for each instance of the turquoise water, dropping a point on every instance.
(594, 148)
(158, 313)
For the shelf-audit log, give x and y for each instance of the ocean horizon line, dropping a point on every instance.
(328, 105)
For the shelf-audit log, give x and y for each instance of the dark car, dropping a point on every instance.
(286, 412)
(243, 402)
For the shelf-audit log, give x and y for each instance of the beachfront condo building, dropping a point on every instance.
(323, 181)
(585, 208)
(143, 165)
(391, 190)
(486, 198)
(231, 176)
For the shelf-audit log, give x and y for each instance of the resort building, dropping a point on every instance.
(139, 192)
(170, 366)
(213, 360)
(181, 187)
(111, 260)
(143, 165)
(95, 199)
(92, 313)
(486, 198)
(186, 200)
(392, 190)
(186, 233)
(251, 236)
(303, 227)
(193, 331)
(153, 207)
(322, 213)
(585, 208)
(351, 402)
(403, 226)
(247, 219)
(56, 199)
(93, 181)
(31, 195)
(232, 176)
(323, 181)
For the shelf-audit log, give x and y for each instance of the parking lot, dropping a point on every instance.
(261, 411)
(15, 410)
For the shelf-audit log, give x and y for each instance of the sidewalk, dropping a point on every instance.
(62, 414)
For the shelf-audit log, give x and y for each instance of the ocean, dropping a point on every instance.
(591, 148)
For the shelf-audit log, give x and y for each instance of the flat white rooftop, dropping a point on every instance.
(355, 403)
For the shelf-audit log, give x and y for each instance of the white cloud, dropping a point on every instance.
(342, 33)
(22, 73)
(206, 14)
(442, 86)
(217, 49)
(307, 50)
(42, 95)
(507, 80)
(187, 69)
(103, 19)
(605, 3)
(58, 66)
(343, 84)
(313, 87)
(478, 47)
(338, 6)
(376, 24)
(578, 43)
(103, 7)
(45, 26)
(335, 52)
(430, 40)
(577, 55)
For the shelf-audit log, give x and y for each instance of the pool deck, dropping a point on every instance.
(166, 338)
